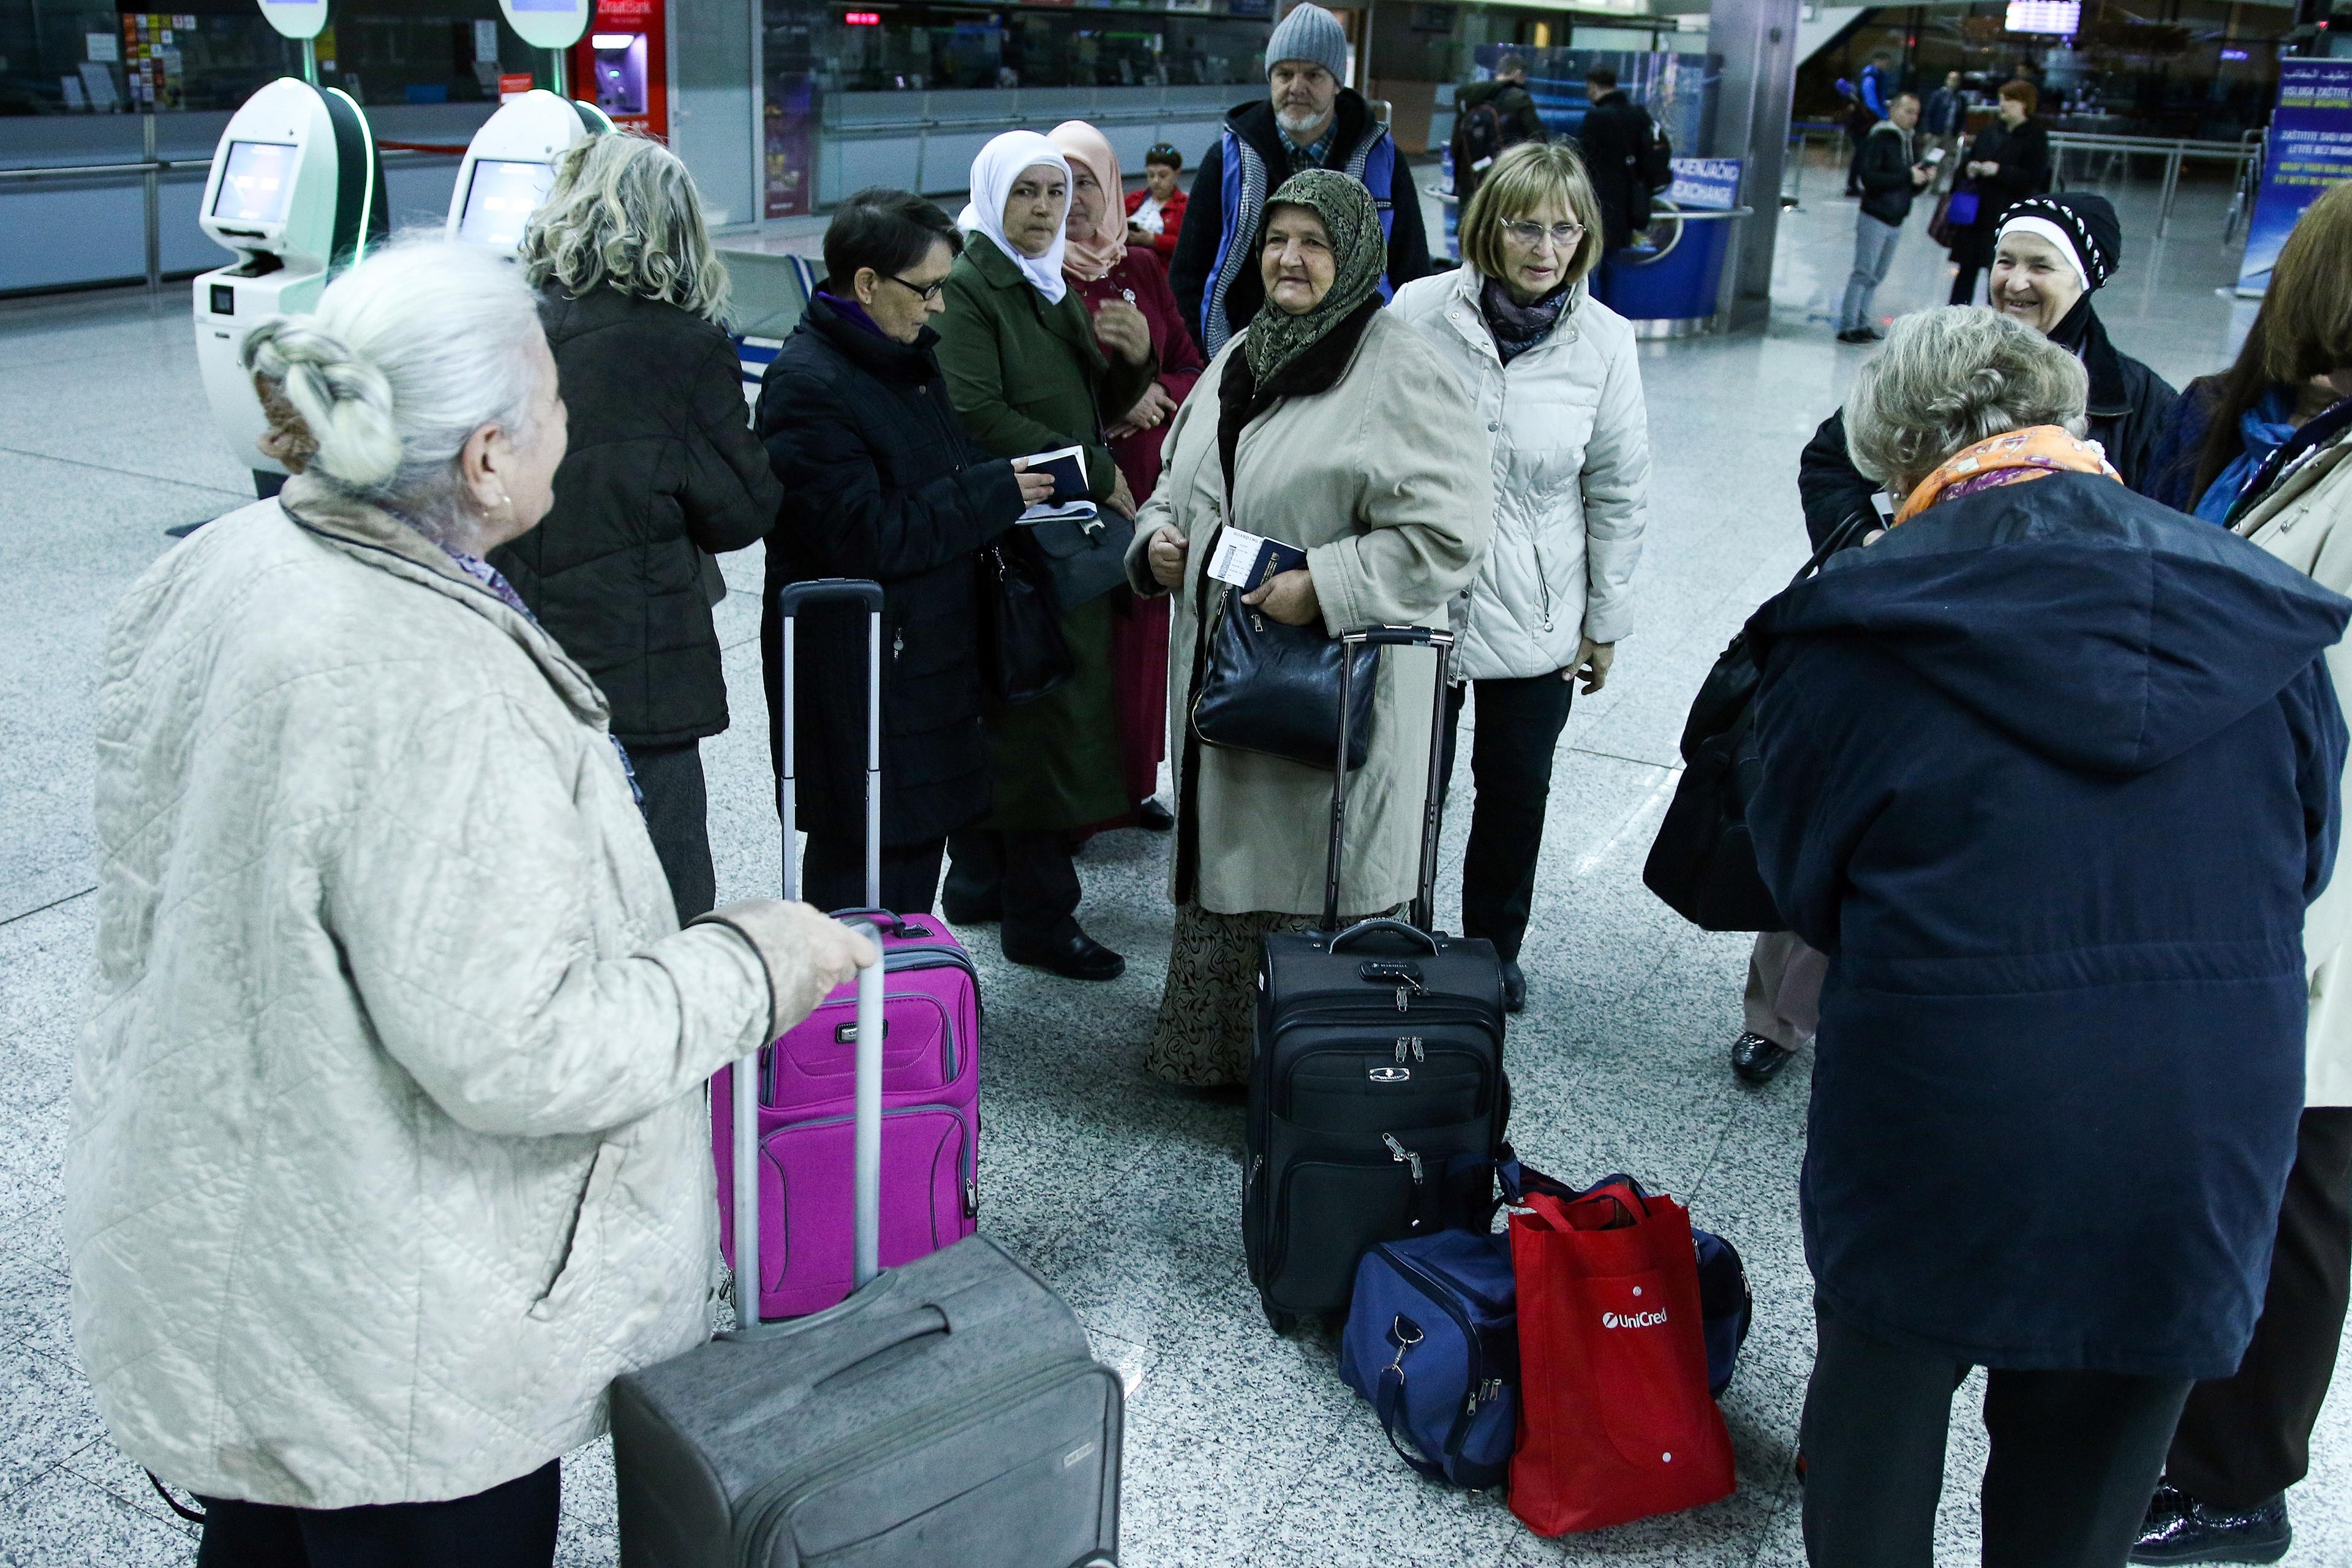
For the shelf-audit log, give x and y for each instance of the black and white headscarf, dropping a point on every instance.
(2082, 226)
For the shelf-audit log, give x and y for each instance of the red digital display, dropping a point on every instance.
(862, 19)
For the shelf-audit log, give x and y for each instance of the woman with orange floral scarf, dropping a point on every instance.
(2049, 777)
(1100, 265)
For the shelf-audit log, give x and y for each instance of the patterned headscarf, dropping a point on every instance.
(1276, 336)
(1093, 257)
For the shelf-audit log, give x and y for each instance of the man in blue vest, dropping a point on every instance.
(1305, 121)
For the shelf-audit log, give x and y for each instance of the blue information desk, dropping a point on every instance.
(1674, 272)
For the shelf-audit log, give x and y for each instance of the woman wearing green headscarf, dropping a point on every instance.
(1334, 427)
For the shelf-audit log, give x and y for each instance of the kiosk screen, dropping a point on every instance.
(256, 184)
(500, 199)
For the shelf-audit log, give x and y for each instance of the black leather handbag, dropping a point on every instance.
(1274, 688)
(1086, 560)
(1022, 654)
(1703, 862)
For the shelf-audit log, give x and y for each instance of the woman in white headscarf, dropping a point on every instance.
(1030, 371)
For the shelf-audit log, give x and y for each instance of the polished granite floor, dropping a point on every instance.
(1242, 1448)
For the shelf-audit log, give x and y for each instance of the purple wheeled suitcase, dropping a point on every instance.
(930, 1066)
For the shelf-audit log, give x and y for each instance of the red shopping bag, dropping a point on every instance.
(1615, 1422)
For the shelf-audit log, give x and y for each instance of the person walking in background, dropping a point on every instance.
(1308, 122)
(1155, 215)
(1868, 108)
(1892, 174)
(1552, 373)
(2243, 1439)
(1029, 373)
(1943, 119)
(2007, 162)
(1322, 433)
(663, 471)
(880, 483)
(2097, 1011)
(1615, 137)
(1102, 267)
(389, 1149)
(1490, 117)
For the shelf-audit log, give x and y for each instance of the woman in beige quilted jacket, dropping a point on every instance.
(388, 1150)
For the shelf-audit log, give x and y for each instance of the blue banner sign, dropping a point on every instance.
(1706, 184)
(2309, 149)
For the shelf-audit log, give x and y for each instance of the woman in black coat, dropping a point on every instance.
(881, 482)
(2007, 162)
(2050, 777)
(662, 472)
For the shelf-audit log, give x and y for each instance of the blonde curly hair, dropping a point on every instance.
(624, 212)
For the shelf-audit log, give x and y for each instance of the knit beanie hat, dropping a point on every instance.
(1311, 34)
(2082, 226)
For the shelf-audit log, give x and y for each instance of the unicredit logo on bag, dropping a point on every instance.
(1634, 1320)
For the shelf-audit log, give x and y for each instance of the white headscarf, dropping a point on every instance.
(993, 174)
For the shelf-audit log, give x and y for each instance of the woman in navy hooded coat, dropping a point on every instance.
(2050, 774)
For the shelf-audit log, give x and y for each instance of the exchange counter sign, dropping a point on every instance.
(2309, 149)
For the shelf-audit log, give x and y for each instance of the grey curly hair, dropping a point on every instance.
(1950, 377)
(624, 212)
(376, 392)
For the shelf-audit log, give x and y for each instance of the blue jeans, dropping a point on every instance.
(1874, 252)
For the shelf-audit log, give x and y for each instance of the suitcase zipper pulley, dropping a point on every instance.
(1402, 1155)
(1410, 1043)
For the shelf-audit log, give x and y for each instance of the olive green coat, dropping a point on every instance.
(1385, 482)
(1026, 378)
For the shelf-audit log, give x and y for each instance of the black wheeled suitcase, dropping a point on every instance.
(1377, 1098)
(948, 1411)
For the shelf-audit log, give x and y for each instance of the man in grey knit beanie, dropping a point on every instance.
(1308, 119)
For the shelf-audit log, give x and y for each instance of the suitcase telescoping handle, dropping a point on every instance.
(866, 1142)
(788, 601)
(1423, 911)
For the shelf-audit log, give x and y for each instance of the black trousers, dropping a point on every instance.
(1964, 285)
(1029, 870)
(2245, 1440)
(1520, 723)
(833, 874)
(509, 1526)
(677, 818)
(2076, 1457)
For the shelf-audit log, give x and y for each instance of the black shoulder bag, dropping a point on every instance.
(1703, 863)
(1022, 656)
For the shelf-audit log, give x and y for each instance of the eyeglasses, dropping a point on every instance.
(1563, 234)
(927, 295)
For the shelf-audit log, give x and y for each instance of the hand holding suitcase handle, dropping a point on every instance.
(1423, 910)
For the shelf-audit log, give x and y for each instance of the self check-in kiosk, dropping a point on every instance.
(297, 192)
(510, 163)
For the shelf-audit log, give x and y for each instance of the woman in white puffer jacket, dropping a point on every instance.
(1552, 374)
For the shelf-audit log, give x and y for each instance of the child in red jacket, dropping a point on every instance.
(1155, 213)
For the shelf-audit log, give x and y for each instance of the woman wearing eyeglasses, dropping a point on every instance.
(880, 481)
(1551, 372)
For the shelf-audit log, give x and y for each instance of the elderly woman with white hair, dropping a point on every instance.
(662, 473)
(388, 1147)
(2049, 777)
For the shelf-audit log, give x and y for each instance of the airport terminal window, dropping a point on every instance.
(61, 58)
(916, 49)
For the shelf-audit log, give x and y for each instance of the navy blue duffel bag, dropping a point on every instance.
(1433, 1338)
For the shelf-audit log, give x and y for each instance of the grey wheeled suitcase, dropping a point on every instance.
(950, 1412)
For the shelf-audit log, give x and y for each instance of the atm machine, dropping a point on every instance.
(510, 164)
(297, 192)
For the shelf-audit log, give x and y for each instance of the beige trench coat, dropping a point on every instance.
(2306, 523)
(1383, 480)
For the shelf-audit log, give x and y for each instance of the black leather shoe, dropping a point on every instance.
(1757, 1059)
(2179, 1529)
(1073, 956)
(1515, 988)
(1154, 817)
